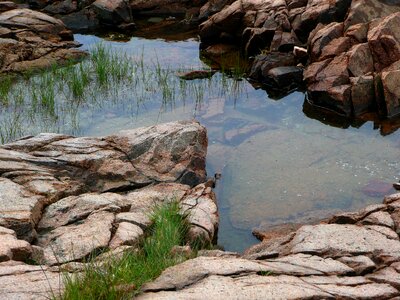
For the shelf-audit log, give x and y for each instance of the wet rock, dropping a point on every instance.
(237, 136)
(22, 281)
(112, 12)
(265, 62)
(11, 248)
(127, 234)
(84, 20)
(376, 188)
(286, 77)
(75, 242)
(199, 74)
(272, 232)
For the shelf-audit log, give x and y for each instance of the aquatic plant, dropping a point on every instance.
(60, 98)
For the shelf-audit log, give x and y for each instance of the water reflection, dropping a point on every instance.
(281, 161)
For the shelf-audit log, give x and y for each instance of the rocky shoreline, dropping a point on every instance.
(55, 188)
(351, 256)
(63, 199)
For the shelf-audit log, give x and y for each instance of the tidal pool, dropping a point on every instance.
(279, 161)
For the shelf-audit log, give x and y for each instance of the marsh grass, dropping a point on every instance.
(61, 99)
(121, 278)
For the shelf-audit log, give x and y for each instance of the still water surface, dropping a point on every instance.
(278, 162)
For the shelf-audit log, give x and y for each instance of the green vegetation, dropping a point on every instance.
(121, 278)
(59, 99)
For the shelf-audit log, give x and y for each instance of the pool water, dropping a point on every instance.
(281, 160)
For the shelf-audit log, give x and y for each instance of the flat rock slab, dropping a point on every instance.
(323, 261)
(22, 281)
(41, 170)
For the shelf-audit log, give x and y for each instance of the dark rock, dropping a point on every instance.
(265, 62)
(112, 11)
(362, 94)
(284, 77)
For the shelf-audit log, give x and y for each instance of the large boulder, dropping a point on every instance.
(33, 40)
(364, 68)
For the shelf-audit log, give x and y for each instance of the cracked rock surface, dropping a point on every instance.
(351, 256)
(64, 198)
(31, 40)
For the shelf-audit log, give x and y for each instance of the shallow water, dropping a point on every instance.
(277, 164)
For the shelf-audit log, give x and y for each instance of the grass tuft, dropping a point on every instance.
(121, 278)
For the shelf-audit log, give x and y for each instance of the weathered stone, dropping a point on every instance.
(342, 240)
(300, 52)
(217, 253)
(263, 63)
(201, 207)
(257, 40)
(336, 47)
(364, 291)
(286, 76)
(379, 218)
(22, 281)
(322, 37)
(190, 271)
(7, 5)
(363, 11)
(127, 234)
(76, 208)
(391, 91)
(306, 265)
(362, 94)
(113, 12)
(34, 41)
(140, 219)
(75, 242)
(61, 7)
(358, 32)
(387, 275)
(360, 60)
(389, 233)
(19, 209)
(11, 248)
(284, 41)
(248, 287)
(360, 264)
(384, 41)
(354, 217)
